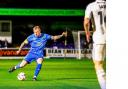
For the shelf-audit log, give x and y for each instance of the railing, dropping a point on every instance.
(10, 53)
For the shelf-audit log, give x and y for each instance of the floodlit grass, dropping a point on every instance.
(55, 74)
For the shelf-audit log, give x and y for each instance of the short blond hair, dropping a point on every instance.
(36, 27)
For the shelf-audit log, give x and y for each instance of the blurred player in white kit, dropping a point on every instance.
(96, 14)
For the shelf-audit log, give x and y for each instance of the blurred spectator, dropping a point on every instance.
(5, 43)
(0, 44)
(55, 46)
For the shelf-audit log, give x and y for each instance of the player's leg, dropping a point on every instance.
(28, 58)
(98, 59)
(38, 67)
(20, 65)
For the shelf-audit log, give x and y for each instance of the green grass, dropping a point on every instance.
(55, 74)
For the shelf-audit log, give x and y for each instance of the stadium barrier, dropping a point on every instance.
(70, 53)
(10, 53)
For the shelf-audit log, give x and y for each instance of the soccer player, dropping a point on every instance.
(96, 14)
(37, 42)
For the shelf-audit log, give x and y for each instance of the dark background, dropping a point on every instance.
(81, 4)
(22, 25)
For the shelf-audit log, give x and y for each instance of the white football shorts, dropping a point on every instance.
(99, 52)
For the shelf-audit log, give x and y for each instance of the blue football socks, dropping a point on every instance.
(17, 66)
(37, 70)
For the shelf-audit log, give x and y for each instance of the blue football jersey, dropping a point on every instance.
(38, 43)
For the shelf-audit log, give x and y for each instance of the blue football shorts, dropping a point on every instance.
(32, 57)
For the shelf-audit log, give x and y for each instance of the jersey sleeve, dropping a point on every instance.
(88, 11)
(48, 36)
(29, 39)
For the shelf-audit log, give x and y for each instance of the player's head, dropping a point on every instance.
(37, 31)
(100, 1)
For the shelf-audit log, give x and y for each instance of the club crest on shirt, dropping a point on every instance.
(39, 43)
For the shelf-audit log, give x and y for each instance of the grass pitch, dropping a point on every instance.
(55, 74)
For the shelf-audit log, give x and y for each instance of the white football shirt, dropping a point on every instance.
(97, 12)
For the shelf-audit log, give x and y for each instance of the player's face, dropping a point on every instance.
(37, 32)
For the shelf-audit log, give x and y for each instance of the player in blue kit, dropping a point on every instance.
(37, 42)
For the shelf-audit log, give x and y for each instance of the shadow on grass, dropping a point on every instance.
(44, 87)
(52, 79)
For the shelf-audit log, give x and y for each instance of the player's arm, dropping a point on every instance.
(59, 36)
(22, 45)
(87, 18)
(86, 28)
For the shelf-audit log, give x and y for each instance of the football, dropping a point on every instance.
(21, 76)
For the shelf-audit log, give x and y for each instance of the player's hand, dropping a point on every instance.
(88, 37)
(17, 52)
(64, 34)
